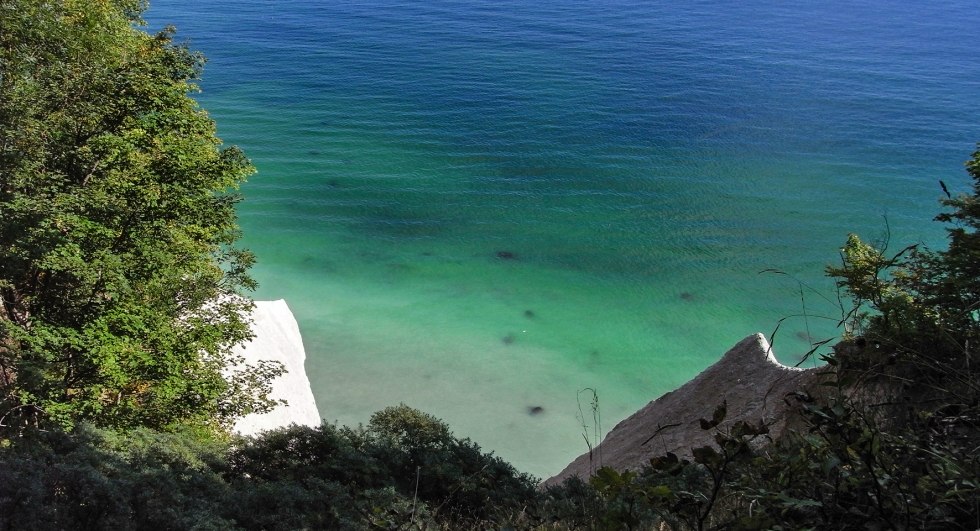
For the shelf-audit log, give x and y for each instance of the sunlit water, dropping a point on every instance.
(480, 208)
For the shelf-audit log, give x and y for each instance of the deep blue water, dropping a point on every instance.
(641, 162)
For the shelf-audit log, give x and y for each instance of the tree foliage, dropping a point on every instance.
(292, 478)
(918, 306)
(118, 271)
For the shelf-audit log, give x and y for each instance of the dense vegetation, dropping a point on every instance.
(118, 274)
(403, 470)
(121, 297)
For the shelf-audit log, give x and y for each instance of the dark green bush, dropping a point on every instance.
(404, 469)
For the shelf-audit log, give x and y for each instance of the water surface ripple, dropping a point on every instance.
(480, 208)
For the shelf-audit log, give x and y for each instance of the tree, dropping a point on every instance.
(919, 310)
(119, 279)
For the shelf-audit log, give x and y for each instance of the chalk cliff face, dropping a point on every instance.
(747, 377)
(277, 338)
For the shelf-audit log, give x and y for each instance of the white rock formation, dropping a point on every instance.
(277, 338)
(747, 377)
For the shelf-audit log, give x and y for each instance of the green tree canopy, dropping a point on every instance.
(119, 280)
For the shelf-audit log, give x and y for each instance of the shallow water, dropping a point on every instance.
(480, 209)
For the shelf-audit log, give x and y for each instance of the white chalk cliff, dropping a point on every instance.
(277, 338)
(747, 377)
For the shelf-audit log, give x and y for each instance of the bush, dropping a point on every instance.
(404, 469)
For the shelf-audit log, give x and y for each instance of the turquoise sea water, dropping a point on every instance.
(480, 208)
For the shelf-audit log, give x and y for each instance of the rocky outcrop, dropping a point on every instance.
(277, 338)
(748, 378)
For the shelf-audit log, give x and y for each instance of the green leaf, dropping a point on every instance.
(704, 455)
(720, 412)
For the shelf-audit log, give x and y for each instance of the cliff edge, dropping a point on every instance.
(277, 338)
(747, 377)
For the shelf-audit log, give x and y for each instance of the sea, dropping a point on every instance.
(529, 219)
